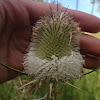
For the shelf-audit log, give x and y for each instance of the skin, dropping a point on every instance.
(16, 18)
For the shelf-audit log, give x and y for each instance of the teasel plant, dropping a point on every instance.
(53, 56)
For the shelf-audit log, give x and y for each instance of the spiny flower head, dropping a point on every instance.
(53, 53)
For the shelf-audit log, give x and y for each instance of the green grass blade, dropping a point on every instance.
(13, 69)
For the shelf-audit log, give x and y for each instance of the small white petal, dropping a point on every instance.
(66, 68)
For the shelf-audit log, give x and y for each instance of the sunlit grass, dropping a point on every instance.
(90, 84)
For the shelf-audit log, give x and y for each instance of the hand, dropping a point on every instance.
(16, 18)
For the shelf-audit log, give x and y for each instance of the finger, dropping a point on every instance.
(91, 62)
(89, 45)
(87, 22)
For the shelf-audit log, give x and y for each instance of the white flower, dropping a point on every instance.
(66, 68)
(53, 53)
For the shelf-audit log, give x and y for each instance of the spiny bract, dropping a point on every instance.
(53, 53)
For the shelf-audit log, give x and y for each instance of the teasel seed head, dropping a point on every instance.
(53, 53)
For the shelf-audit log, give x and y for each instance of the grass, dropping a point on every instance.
(90, 84)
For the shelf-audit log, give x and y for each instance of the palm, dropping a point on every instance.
(14, 39)
(14, 42)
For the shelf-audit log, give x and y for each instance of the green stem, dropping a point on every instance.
(13, 69)
(55, 93)
(91, 71)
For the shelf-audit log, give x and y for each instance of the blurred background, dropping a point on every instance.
(88, 6)
(89, 84)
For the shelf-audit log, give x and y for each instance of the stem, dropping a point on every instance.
(91, 71)
(13, 69)
(27, 84)
(55, 93)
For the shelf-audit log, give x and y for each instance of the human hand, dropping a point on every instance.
(16, 18)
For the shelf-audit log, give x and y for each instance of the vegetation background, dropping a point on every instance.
(90, 84)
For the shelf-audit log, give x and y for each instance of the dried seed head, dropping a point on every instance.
(53, 52)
